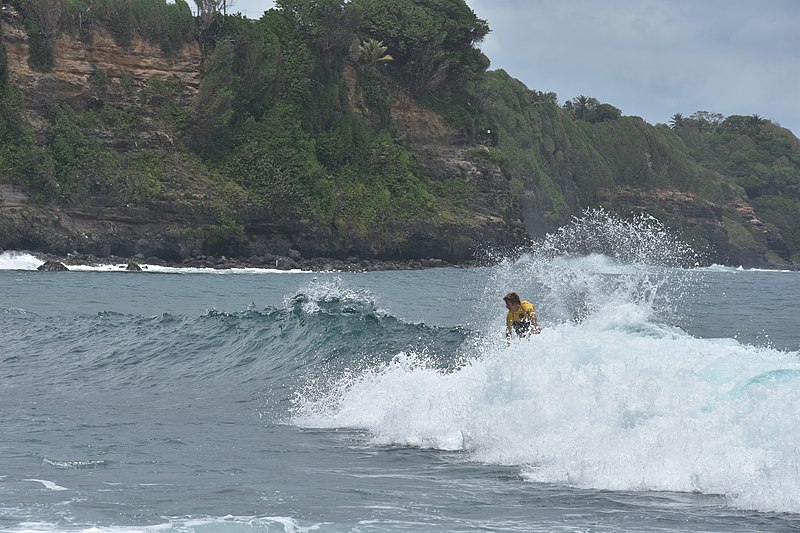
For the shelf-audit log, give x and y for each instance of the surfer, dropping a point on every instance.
(521, 317)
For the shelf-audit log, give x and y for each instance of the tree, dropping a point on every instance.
(677, 121)
(210, 11)
(705, 119)
(275, 158)
(582, 105)
(212, 7)
(371, 52)
(48, 15)
(43, 20)
(214, 110)
(605, 112)
(746, 125)
(433, 41)
(327, 25)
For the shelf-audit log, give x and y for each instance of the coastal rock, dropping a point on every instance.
(52, 266)
(286, 263)
(720, 224)
(133, 267)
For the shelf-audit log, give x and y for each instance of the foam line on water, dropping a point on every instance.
(49, 485)
(12, 260)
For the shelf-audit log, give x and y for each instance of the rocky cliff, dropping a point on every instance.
(122, 112)
(86, 75)
(87, 70)
(181, 223)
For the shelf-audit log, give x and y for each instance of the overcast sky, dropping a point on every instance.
(651, 58)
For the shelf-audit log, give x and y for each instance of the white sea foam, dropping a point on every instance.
(184, 270)
(735, 270)
(12, 260)
(50, 485)
(608, 396)
(282, 524)
(609, 404)
(18, 261)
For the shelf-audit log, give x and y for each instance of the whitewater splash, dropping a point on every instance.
(609, 396)
(598, 263)
(19, 261)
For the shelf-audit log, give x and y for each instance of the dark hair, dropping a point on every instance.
(512, 297)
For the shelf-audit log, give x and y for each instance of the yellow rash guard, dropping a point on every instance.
(520, 320)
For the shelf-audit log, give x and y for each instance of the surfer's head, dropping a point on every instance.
(512, 300)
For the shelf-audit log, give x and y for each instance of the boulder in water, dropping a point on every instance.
(133, 267)
(52, 266)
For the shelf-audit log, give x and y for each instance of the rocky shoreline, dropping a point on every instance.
(52, 262)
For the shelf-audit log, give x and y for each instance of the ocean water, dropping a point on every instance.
(659, 397)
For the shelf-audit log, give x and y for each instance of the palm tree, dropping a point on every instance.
(371, 52)
(581, 106)
(677, 121)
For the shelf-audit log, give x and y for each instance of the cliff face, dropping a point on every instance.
(524, 173)
(695, 180)
(443, 152)
(75, 62)
(88, 76)
(183, 222)
(724, 233)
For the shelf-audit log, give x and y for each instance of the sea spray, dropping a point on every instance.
(597, 262)
(610, 396)
(595, 405)
(12, 260)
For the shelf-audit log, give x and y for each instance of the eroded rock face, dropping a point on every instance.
(75, 62)
(464, 156)
(718, 223)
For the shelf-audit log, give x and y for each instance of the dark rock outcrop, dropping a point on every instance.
(52, 266)
(714, 229)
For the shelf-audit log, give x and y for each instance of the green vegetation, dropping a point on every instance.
(295, 116)
(170, 25)
(22, 162)
(274, 115)
(432, 43)
(756, 155)
(591, 110)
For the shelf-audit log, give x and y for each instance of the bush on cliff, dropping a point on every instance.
(276, 113)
